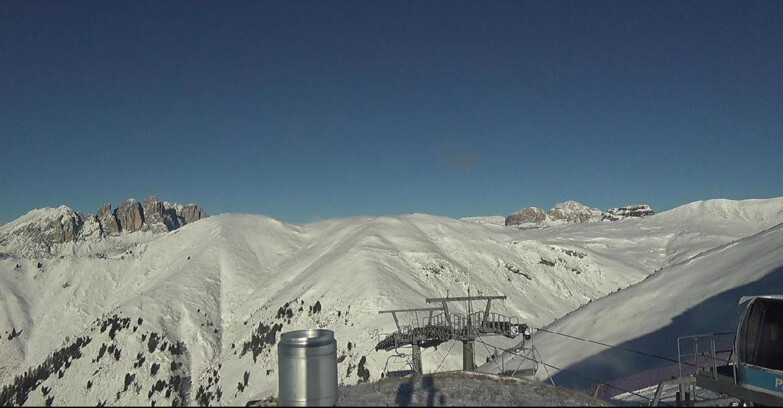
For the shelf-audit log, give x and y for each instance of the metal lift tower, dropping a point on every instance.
(445, 326)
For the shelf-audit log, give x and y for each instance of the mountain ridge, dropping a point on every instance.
(225, 287)
(42, 232)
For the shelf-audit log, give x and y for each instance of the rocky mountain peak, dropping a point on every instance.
(41, 231)
(130, 215)
(573, 212)
(529, 215)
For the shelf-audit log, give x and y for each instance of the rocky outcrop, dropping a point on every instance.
(130, 215)
(91, 229)
(572, 211)
(616, 214)
(526, 216)
(192, 212)
(62, 227)
(107, 220)
(39, 232)
(160, 216)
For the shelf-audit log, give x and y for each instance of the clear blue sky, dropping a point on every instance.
(314, 109)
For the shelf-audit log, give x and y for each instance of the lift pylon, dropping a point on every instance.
(438, 328)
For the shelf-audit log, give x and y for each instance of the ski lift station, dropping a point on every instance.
(742, 367)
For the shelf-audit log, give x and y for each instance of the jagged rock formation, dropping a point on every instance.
(161, 216)
(61, 226)
(615, 214)
(130, 215)
(192, 212)
(91, 229)
(39, 231)
(570, 212)
(107, 220)
(526, 215)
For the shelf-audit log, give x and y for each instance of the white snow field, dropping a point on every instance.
(694, 295)
(192, 316)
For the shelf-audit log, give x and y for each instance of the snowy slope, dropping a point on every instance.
(194, 312)
(694, 296)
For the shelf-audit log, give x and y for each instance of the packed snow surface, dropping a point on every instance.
(192, 316)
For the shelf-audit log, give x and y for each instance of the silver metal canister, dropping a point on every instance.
(307, 368)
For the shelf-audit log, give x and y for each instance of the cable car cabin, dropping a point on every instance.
(748, 368)
(759, 344)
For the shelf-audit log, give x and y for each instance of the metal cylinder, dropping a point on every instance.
(307, 368)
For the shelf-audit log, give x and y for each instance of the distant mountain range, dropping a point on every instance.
(42, 232)
(176, 308)
(572, 211)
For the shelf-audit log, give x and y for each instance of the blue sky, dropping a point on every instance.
(311, 110)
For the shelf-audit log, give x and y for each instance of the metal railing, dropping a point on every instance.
(459, 323)
(498, 323)
(709, 351)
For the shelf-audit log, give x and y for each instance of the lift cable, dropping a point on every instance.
(610, 346)
(588, 379)
(444, 357)
(490, 353)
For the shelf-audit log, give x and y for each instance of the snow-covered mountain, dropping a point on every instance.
(696, 293)
(48, 232)
(192, 315)
(571, 212)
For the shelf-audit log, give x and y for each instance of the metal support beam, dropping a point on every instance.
(417, 309)
(738, 391)
(397, 322)
(420, 309)
(464, 298)
(468, 363)
(486, 312)
(417, 366)
(446, 313)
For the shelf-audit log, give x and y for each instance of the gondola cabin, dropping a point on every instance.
(745, 366)
(759, 344)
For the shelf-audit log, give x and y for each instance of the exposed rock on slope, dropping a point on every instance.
(107, 220)
(192, 212)
(161, 217)
(526, 216)
(615, 214)
(130, 215)
(41, 231)
(573, 212)
(569, 211)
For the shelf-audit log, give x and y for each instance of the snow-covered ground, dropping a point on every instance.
(194, 312)
(697, 293)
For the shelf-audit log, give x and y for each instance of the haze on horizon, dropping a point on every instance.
(312, 110)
